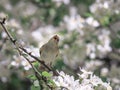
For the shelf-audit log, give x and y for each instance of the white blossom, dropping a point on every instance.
(91, 21)
(93, 64)
(36, 83)
(59, 2)
(73, 22)
(104, 71)
(87, 81)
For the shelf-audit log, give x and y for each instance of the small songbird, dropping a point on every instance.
(50, 50)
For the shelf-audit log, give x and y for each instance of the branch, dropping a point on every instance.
(38, 76)
(19, 47)
(40, 61)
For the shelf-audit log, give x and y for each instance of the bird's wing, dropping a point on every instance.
(41, 49)
(57, 53)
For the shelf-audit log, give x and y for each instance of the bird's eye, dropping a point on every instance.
(56, 38)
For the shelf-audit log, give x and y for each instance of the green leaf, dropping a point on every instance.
(51, 82)
(36, 64)
(88, 14)
(35, 88)
(32, 77)
(105, 20)
(116, 43)
(46, 74)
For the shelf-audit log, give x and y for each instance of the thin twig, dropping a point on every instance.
(20, 48)
(9, 35)
(38, 76)
(23, 49)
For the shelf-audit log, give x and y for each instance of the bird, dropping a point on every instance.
(50, 50)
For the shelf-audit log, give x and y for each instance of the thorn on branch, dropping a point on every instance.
(3, 20)
(14, 41)
(30, 53)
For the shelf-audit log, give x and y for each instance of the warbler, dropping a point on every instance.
(50, 50)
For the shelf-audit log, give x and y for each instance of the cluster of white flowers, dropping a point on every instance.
(74, 21)
(91, 50)
(14, 23)
(20, 61)
(59, 2)
(86, 81)
(104, 39)
(91, 21)
(105, 7)
(102, 48)
(42, 34)
(93, 64)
